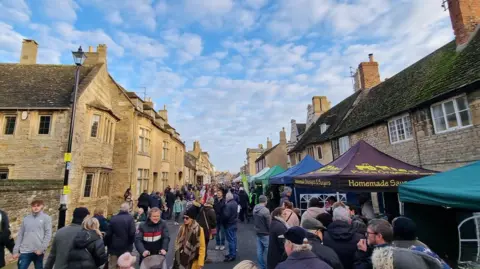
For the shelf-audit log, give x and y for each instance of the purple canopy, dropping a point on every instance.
(363, 168)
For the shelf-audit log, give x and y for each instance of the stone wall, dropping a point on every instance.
(278, 156)
(16, 196)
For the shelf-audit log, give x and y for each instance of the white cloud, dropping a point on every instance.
(114, 17)
(142, 46)
(256, 4)
(188, 45)
(202, 81)
(211, 65)
(64, 10)
(10, 43)
(15, 11)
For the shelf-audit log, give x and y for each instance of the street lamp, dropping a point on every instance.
(78, 57)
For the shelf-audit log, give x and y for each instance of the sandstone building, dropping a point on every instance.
(273, 155)
(204, 169)
(119, 140)
(427, 115)
(252, 155)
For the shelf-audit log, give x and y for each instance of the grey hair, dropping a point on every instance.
(246, 264)
(229, 196)
(153, 210)
(298, 248)
(342, 214)
(124, 207)
(287, 189)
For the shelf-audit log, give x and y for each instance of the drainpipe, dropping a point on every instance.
(416, 142)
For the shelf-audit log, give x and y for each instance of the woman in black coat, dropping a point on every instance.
(88, 250)
(276, 250)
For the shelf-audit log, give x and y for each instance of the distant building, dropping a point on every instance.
(273, 155)
(205, 171)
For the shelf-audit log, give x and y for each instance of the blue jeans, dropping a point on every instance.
(220, 237)
(231, 235)
(262, 248)
(26, 258)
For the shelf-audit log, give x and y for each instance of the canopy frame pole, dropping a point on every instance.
(338, 196)
(295, 193)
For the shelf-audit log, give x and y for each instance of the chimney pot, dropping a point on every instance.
(29, 52)
(370, 57)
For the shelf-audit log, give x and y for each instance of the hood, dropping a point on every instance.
(398, 258)
(280, 219)
(341, 230)
(258, 208)
(84, 238)
(313, 212)
(313, 238)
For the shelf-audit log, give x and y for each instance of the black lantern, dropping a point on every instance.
(79, 56)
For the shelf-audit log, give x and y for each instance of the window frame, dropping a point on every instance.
(311, 151)
(394, 122)
(340, 139)
(5, 122)
(50, 116)
(457, 114)
(319, 156)
(97, 130)
(4, 171)
(165, 151)
(90, 191)
(144, 140)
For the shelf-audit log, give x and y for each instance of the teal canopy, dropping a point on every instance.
(272, 172)
(458, 188)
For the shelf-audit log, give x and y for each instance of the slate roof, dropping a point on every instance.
(424, 82)
(301, 128)
(333, 117)
(39, 86)
(266, 152)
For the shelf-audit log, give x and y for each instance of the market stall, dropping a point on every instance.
(263, 179)
(452, 199)
(308, 164)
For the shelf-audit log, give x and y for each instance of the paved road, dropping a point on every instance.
(246, 248)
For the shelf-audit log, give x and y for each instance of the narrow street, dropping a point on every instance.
(246, 247)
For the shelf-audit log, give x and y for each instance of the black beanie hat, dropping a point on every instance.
(404, 229)
(79, 214)
(192, 212)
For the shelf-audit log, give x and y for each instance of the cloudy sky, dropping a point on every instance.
(231, 72)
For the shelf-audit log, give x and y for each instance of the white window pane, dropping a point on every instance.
(437, 111)
(440, 124)
(452, 120)
(408, 127)
(139, 174)
(449, 107)
(465, 118)
(462, 103)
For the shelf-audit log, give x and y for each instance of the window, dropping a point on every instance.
(164, 176)
(165, 151)
(87, 189)
(299, 156)
(45, 122)
(344, 144)
(451, 115)
(400, 129)
(142, 180)
(319, 152)
(10, 124)
(144, 140)
(103, 184)
(95, 123)
(323, 128)
(310, 152)
(3, 173)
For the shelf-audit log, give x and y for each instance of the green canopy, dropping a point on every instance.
(458, 188)
(263, 179)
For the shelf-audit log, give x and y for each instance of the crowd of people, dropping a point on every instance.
(330, 235)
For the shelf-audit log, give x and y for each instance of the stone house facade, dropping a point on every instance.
(204, 169)
(35, 105)
(426, 115)
(274, 155)
(252, 156)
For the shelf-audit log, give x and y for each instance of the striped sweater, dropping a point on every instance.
(152, 237)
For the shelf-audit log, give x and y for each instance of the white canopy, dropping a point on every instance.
(238, 179)
(259, 174)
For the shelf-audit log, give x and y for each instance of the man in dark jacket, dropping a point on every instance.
(276, 250)
(170, 200)
(144, 201)
(154, 200)
(152, 236)
(120, 235)
(261, 222)
(315, 234)
(218, 206)
(299, 251)
(243, 198)
(342, 237)
(6, 240)
(206, 218)
(379, 235)
(63, 243)
(230, 215)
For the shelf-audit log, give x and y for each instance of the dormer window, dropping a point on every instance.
(323, 128)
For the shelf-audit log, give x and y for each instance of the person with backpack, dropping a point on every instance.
(88, 250)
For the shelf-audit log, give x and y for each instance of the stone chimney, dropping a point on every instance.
(269, 143)
(320, 105)
(283, 136)
(96, 57)
(196, 147)
(29, 52)
(465, 17)
(148, 102)
(369, 75)
(164, 113)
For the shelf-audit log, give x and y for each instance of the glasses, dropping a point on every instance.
(186, 218)
(368, 233)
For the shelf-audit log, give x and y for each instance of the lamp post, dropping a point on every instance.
(78, 57)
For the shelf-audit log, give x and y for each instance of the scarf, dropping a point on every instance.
(187, 246)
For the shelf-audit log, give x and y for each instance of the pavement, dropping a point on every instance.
(246, 248)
